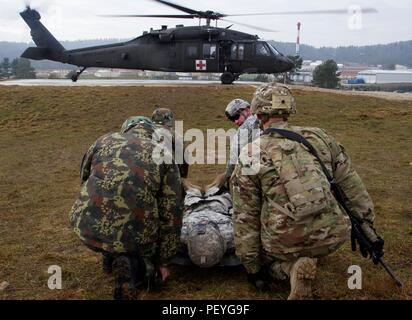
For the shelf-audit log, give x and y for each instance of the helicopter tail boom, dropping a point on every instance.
(47, 45)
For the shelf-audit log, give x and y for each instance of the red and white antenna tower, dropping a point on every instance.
(298, 40)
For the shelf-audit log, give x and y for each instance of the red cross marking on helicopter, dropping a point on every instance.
(201, 65)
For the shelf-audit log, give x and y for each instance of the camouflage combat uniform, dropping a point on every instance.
(127, 203)
(251, 126)
(284, 212)
(214, 206)
(163, 119)
(264, 235)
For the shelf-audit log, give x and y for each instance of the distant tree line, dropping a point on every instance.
(386, 55)
(19, 68)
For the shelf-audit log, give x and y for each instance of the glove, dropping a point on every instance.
(378, 251)
(259, 280)
(370, 243)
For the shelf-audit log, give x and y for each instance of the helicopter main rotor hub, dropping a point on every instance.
(209, 16)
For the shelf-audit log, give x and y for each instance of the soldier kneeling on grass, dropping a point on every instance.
(129, 207)
(285, 216)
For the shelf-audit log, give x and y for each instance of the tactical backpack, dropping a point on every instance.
(304, 181)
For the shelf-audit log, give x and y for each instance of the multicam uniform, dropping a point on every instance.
(127, 203)
(266, 232)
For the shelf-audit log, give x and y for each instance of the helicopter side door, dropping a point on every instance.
(193, 57)
(241, 57)
(200, 57)
(237, 57)
(210, 56)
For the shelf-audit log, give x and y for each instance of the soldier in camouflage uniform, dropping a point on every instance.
(207, 231)
(163, 118)
(238, 111)
(129, 208)
(272, 232)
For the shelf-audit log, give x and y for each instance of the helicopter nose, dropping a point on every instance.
(285, 64)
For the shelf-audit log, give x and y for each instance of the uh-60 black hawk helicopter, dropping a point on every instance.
(181, 49)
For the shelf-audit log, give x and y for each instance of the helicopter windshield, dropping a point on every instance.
(262, 49)
(266, 49)
(274, 51)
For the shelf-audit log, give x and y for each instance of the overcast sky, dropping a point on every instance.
(78, 19)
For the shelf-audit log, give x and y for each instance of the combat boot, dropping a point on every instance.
(125, 286)
(107, 263)
(302, 273)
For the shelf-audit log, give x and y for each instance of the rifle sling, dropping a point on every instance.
(336, 190)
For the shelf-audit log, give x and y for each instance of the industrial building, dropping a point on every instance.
(385, 76)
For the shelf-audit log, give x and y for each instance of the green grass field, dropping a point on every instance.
(44, 132)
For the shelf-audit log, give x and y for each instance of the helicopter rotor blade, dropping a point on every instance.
(336, 11)
(249, 26)
(185, 16)
(211, 15)
(28, 5)
(178, 7)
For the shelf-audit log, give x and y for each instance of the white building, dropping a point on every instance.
(107, 73)
(309, 65)
(386, 76)
(302, 76)
(400, 67)
(305, 73)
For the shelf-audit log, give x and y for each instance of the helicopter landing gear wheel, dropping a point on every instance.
(76, 76)
(227, 78)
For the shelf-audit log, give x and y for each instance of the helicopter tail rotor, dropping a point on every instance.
(47, 45)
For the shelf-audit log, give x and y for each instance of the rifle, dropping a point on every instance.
(369, 242)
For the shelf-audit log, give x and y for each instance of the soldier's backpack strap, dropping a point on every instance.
(299, 138)
(337, 191)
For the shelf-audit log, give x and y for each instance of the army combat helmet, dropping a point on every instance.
(273, 99)
(234, 107)
(205, 244)
(163, 116)
(140, 121)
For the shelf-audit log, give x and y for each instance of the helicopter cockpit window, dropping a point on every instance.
(209, 51)
(262, 49)
(191, 52)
